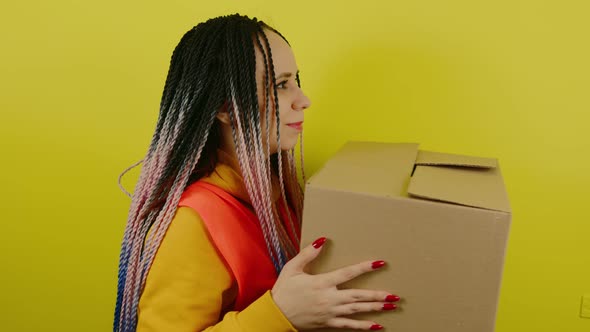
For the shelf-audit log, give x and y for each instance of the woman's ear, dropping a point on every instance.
(223, 114)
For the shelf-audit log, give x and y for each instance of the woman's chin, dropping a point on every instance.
(286, 146)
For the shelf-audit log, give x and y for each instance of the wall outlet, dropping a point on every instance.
(585, 310)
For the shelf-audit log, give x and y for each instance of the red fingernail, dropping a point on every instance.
(378, 264)
(392, 298)
(319, 242)
(376, 327)
(389, 306)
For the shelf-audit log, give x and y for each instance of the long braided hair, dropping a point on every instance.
(212, 67)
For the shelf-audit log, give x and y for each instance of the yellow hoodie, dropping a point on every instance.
(189, 288)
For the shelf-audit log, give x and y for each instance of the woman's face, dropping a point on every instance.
(292, 100)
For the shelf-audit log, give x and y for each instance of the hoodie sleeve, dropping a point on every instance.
(188, 287)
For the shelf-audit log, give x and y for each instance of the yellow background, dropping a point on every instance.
(81, 82)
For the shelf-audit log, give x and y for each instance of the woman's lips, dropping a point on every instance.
(296, 125)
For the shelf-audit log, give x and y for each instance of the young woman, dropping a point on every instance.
(212, 238)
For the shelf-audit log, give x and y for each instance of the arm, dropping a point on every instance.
(189, 286)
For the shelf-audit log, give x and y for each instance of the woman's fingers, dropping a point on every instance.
(347, 323)
(298, 263)
(364, 295)
(358, 307)
(313, 301)
(348, 273)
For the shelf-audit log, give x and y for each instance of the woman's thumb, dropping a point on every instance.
(305, 256)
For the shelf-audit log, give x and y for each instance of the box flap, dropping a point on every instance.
(368, 167)
(471, 186)
(448, 159)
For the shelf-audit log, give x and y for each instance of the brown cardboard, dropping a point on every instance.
(440, 221)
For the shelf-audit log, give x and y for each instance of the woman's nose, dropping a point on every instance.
(302, 102)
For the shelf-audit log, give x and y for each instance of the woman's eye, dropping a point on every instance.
(281, 85)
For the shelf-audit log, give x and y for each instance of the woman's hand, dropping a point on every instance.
(314, 301)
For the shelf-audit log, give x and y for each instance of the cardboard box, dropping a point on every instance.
(440, 221)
